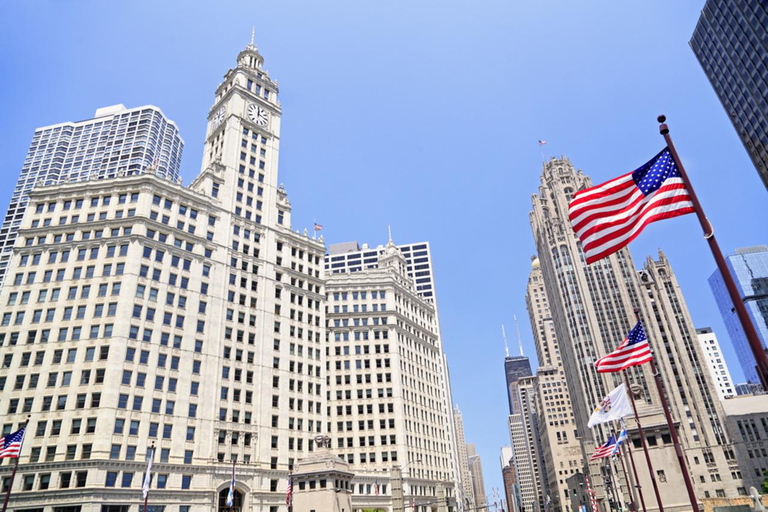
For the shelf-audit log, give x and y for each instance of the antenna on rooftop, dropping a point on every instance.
(519, 338)
(504, 335)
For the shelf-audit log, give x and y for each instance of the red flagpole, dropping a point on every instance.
(645, 444)
(759, 353)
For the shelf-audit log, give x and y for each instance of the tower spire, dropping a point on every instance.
(504, 335)
(389, 229)
(253, 34)
(519, 338)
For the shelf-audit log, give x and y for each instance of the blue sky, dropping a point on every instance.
(422, 115)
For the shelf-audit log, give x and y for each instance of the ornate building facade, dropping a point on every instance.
(388, 405)
(151, 313)
(593, 309)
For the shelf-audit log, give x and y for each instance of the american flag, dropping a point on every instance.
(633, 351)
(289, 491)
(10, 445)
(318, 227)
(609, 216)
(606, 450)
(542, 142)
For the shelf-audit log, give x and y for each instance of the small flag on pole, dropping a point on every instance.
(542, 142)
(231, 494)
(289, 491)
(621, 439)
(613, 407)
(10, 445)
(633, 351)
(605, 450)
(318, 227)
(610, 215)
(148, 475)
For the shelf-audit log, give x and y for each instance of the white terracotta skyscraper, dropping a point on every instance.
(138, 311)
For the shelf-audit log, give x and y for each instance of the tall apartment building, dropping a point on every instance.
(718, 368)
(730, 43)
(117, 141)
(138, 311)
(388, 402)
(592, 309)
(749, 267)
(476, 473)
(526, 447)
(561, 450)
(466, 496)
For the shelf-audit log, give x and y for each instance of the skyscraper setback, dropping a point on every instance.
(116, 141)
(592, 309)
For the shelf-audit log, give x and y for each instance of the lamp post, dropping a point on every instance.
(397, 486)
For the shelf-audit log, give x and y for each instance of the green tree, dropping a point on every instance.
(764, 487)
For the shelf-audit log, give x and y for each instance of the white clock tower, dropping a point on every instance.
(270, 312)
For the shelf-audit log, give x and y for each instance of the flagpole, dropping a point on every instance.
(759, 353)
(15, 467)
(609, 470)
(630, 490)
(637, 479)
(633, 490)
(146, 495)
(672, 430)
(645, 443)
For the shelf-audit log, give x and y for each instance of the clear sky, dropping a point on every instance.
(423, 115)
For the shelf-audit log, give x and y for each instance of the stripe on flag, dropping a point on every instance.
(633, 351)
(607, 217)
(605, 450)
(10, 445)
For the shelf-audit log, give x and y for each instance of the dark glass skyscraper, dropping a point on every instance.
(749, 266)
(731, 43)
(515, 368)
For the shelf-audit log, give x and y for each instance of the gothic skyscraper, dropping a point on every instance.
(592, 307)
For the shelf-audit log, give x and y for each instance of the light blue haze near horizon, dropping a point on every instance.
(420, 115)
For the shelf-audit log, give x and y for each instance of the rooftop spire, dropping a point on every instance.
(253, 34)
(389, 229)
(504, 335)
(519, 338)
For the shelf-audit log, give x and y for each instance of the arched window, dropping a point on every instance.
(237, 503)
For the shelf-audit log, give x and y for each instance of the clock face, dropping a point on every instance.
(218, 117)
(258, 115)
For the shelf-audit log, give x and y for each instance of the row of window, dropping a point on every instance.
(77, 204)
